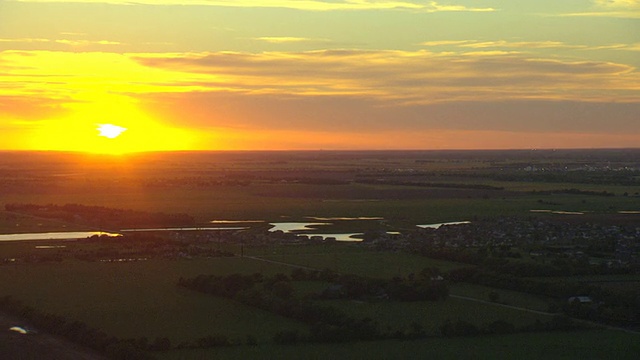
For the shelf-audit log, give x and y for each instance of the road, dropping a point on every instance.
(38, 346)
(466, 298)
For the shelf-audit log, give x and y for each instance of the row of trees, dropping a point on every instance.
(80, 333)
(616, 307)
(378, 181)
(101, 217)
(329, 324)
(274, 294)
(573, 191)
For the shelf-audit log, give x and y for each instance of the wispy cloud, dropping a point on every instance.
(312, 5)
(409, 76)
(381, 98)
(289, 39)
(612, 8)
(516, 46)
(402, 76)
(70, 42)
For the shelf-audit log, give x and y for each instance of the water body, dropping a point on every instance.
(346, 218)
(235, 221)
(187, 229)
(19, 330)
(558, 212)
(435, 226)
(310, 229)
(67, 235)
(77, 235)
(340, 237)
(295, 226)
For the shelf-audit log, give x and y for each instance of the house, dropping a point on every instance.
(580, 299)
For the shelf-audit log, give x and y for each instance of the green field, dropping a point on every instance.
(401, 206)
(366, 263)
(595, 344)
(432, 314)
(506, 297)
(141, 299)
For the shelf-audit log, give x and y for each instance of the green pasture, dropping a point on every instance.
(141, 299)
(305, 249)
(618, 190)
(11, 223)
(587, 345)
(366, 263)
(402, 207)
(506, 297)
(431, 315)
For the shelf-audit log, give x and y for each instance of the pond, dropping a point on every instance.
(66, 235)
(295, 226)
(561, 212)
(187, 229)
(309, 229)
(235, 221)
(435, 226)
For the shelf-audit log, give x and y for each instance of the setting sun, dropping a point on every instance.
(86, 128)
(110, 131)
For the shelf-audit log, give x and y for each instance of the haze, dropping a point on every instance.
(280, 74)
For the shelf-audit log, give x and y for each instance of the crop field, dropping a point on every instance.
(595, 344)
(366, 263)
(141, 299)
(393, 191)
(432, 314)
(506, 297)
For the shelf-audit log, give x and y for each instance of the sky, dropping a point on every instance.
(318, 74)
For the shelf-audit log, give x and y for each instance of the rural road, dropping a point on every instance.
(466, 298)
(38, 346)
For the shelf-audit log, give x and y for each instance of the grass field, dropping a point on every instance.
(507, 297)
(402, 207)
(594, 344)
(432, 314)
(141, 299)
(366, 263)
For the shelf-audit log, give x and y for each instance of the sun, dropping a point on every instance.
(87, 127)
(110, 131)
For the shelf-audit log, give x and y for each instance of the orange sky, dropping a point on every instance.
(216, 75)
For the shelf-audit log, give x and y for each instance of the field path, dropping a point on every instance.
(281, 263)
(502, 305)
(38, 346)
(466, 298)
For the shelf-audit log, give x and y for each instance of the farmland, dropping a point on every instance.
(538, 219)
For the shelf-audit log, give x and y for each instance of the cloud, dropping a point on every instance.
(398, 76)
(516, 46)
(264, 112)
(612, 8)
(419, 76)
(522, 45)
(353, 91)
(31, 108)
(289, 39)
(70, 42)
(311, 5)
(625, 4)
(334, 99)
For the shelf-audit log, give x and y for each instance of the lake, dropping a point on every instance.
(66, 235)
(435, 226)
(187, 229)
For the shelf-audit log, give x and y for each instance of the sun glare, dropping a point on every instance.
(136, 131)
(110, 131)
